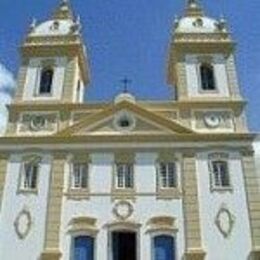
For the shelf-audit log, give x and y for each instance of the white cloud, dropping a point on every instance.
(7, 82)
(7, 86)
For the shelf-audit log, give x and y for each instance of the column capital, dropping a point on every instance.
(189, 154)
(60, 154)
(247, 152)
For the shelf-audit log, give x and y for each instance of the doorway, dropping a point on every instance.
(124, 246)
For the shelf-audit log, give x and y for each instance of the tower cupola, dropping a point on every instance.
(201, 62)
(55, 58)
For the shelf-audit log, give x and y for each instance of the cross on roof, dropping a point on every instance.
(126, 82)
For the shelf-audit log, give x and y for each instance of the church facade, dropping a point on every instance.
(128, 180)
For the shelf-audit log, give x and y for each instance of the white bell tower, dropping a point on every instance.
(54, 67)
(201, 64)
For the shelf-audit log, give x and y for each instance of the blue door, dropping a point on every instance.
(164, 248)
(83, 248)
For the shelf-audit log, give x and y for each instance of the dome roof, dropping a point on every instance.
(192, 24)
(53, 28)
(62, 23)
(124, 97)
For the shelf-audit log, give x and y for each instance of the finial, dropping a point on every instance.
(33, 24)
(193, 3)
(176, 21)
(63, 11)
(126, 82)
(78, 20)
(222, 18)
(222, 24)
(194, 8)
(76, 27)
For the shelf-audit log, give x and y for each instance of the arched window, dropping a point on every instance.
(207, 77)
(46, 80)
(78, 97)
(163, 247)
(83, 248)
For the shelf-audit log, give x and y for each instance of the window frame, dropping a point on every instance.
(166, 233)
(168, 192)
(42, 70)
(211, 65)
(219, 158)
(159, 176)
(74, 235)
(72, 185)
(32, 161)
(132, 177)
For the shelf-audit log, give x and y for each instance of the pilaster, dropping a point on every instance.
(53, 219)
(253, 198)
(194, 249)
(232, 77)
(21, 79)
(3, 168)
(181, 80)
(69, 80)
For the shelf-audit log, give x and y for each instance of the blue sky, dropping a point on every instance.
(131, 37)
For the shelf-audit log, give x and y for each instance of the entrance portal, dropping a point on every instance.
(124, 246)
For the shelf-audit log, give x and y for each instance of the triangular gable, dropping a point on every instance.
(91, 121)
(108, 126)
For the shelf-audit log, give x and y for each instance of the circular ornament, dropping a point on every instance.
(124, 121)
(225, 222)
(23, 223)
(37, 123)
(212, 120)
(198, 22)
(123, 210)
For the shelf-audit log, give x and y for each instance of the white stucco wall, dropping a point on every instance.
(33, 79)
(238, 244)
(101, 207)
(193, 76)
(13, 203)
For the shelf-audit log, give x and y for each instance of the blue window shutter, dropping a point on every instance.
(83, 248)
(164, 248)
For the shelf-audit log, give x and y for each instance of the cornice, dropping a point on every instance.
(171, 125)
(206, 37)
(195, 46)
(91, 139)
(148, 104)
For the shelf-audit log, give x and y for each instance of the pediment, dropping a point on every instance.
(125, 118)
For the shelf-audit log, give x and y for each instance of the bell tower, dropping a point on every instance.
(52, 76)
(201, 68)
(53, 55)
(201, 64)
